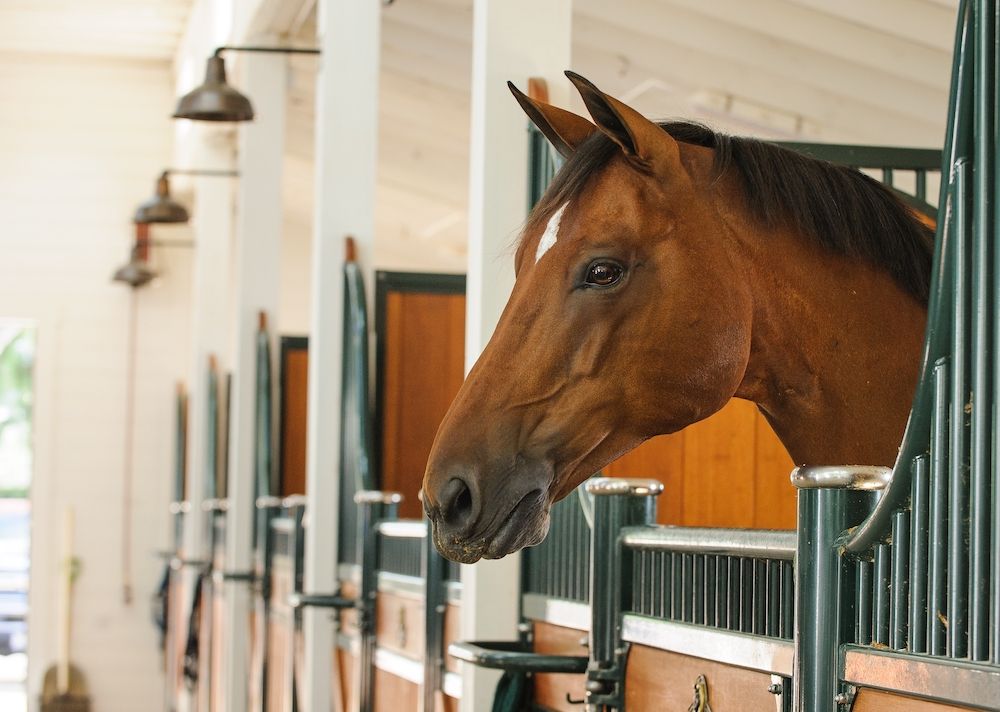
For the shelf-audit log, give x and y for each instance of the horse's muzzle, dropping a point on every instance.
(472, 518)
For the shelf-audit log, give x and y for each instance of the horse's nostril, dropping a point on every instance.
(457, 504)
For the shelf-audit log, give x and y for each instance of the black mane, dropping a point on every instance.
(841, 208)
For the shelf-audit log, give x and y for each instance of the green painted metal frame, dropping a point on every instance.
(357, 461)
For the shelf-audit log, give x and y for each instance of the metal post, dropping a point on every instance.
(434, 609)
(618, 503)
(373, 506)
(825, 510)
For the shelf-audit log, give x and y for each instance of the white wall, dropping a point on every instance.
(81, 141)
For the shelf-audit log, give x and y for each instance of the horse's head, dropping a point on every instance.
(628, 318)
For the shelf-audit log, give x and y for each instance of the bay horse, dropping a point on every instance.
(667, 269)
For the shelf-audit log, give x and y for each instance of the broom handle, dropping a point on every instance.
(66, 586)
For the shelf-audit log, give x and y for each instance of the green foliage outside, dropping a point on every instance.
(17, 357)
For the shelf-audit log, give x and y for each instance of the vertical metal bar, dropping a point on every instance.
(921, 188)
(656, 592)
(610, 566)
(822, 515)
(900, 579)
(760, 596)
(863, 602)
(722, 599)
(711, 591)
(937, 536)
(958, 554)
(918, 557)
(994, 321)
(746, 595)
(432, 570)
(698, 589)
(688, 593)
(773, 597)
(787, 599)
(984, 124)
(667, 579)
(645, 578)
(677, 586)
(887, 176)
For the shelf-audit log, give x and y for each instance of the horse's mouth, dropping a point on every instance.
(525, 525)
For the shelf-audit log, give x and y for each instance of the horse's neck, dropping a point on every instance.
(835, 352)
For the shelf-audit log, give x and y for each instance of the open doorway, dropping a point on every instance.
(17, 358)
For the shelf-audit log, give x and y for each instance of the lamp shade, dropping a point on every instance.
(161, 208)
(135, 272)
(214, 100)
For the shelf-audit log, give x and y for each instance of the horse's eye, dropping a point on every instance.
(604, 274)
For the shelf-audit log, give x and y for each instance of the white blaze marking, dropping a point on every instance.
(551, 233)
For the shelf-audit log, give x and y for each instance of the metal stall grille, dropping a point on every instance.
(559, 567)
(928, 558)
(731, 579)
(400, 547)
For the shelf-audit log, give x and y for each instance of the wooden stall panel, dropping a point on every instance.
(177, 634)
(394, 694)
(344, 674)
(551, 690)
(280, 638)
(422, 352)
(452, 634)
(659, 680)
(879, 701)
(399, 623)
(218, 687)
(729, 470)
(294, 404)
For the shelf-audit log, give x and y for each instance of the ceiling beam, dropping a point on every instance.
(927, 23)
(743, 50)
(845, 41)
(597, 50)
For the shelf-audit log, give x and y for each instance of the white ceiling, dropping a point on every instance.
(133, 29)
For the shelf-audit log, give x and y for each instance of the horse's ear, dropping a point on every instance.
(564, 129)
(641, 139)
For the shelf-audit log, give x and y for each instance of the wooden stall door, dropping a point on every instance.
(294, 389)
(420, 356)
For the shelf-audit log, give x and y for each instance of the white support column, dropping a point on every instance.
(512, 40)
(346, 137)
(212, 223)
(258, 254)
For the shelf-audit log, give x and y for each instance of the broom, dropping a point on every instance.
(64, 688)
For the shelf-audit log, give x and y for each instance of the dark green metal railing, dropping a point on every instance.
(180, 468)
(927, 559)
(355, 439)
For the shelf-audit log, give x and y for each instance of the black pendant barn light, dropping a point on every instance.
(161, 208)
(137, 272)
(215, 99)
